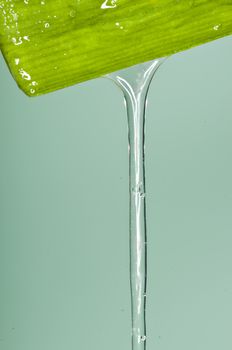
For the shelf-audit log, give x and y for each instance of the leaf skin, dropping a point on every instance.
(52, 44)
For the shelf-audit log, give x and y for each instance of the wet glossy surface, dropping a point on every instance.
(56, 44)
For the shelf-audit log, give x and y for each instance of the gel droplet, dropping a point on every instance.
(109, 4)
(217, 27)
(118, 25)
(73, 13)
(17, 42)
(17, 61)
(24, 74)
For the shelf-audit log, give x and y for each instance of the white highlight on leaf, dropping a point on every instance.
(17, 61)
(109, 4)
(24, 74)
(217, 27)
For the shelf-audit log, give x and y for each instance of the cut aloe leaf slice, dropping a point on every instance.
(51, 44)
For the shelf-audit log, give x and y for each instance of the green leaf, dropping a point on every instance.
(51, 44)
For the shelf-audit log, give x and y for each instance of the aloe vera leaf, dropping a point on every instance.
(52, 44)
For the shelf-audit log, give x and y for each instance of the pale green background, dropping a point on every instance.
(64, 211)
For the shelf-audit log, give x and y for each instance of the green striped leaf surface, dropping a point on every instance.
(51, 44)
